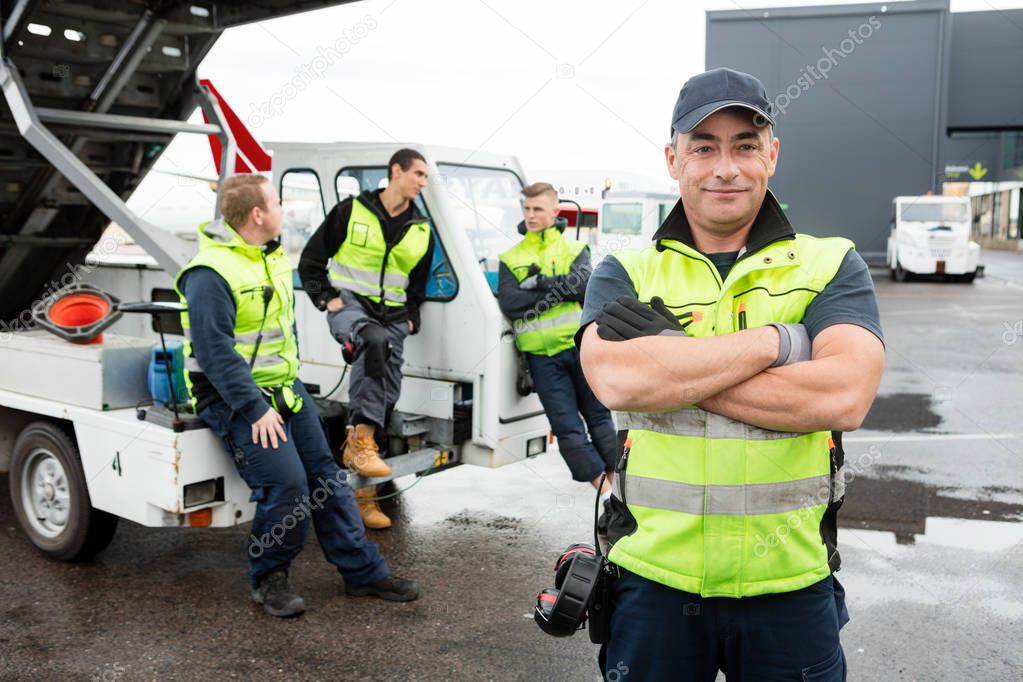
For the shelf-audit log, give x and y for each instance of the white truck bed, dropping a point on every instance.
(135, 469)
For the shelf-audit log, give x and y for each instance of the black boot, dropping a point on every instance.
(276, 596)
(391, 588)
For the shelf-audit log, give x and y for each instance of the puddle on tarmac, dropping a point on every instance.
(905, 508)
(902, 412)
(992, 538)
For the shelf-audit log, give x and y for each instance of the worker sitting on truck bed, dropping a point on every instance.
(378, 246)
(540, 289)
(242, 361)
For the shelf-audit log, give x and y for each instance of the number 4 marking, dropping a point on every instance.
(117, 463)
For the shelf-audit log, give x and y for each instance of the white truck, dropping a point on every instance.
(81, 449)
(629, 219)
(930, 235)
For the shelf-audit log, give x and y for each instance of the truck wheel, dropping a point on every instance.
(50, 496)
(899, 273)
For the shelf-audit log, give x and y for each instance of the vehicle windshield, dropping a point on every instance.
(487, 204)
(932, 212)
(622, 218)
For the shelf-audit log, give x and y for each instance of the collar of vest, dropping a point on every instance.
(552, 235)
(371, 200)
(769, 226)
(218, 234)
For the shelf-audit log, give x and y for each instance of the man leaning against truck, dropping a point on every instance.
(734, 351)
(367, 266)
(540, 289)
(242, 372)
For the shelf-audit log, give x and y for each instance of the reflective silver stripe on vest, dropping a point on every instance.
(268, 360)
(693, 421)
(391, 279)
(839, 490)
(268, 335)
(573, 317)
(367, 290)
(250, 337)
(192, 365)
(727, 500)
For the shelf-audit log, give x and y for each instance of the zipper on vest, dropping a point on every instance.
(383, 272)
(717, 279)
(706, 261)
(742, 316)
(387, 252)
(623, 465)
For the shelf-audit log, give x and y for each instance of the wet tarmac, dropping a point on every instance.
(932, 545)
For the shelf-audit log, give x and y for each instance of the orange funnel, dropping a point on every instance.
(79, 310)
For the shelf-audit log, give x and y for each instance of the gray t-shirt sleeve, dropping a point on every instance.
(608, 281)
(848, 299)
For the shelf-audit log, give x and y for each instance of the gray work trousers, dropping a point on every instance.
(370, 398)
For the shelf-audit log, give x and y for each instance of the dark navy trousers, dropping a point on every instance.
(292, 484)
(660, 633)
(564, 393)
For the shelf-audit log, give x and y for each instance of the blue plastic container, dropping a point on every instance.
(158, 387)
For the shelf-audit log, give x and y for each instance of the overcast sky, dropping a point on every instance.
(571, 88)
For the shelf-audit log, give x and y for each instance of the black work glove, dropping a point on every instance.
(629, 318)
(532, 278)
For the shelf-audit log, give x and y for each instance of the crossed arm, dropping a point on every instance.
(731, 375)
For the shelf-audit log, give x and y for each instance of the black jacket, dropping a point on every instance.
(321, 247)
(516, 302)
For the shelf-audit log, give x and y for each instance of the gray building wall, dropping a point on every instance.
(913, 97)
(985, 74)
(860, 101)
(985, 94)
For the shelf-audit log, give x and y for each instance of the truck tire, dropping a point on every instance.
(899, 273)
(50, 496)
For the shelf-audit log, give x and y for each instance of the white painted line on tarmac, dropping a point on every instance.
(924, 437)
(954, 309)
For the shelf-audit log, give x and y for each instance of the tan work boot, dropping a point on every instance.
(372, 517)
(362, 454)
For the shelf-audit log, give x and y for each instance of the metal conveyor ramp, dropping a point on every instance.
(99, 90)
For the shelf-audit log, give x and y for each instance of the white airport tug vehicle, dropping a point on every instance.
(930, 235)
(81, 442)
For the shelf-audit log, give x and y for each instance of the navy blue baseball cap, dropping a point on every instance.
(714, 90)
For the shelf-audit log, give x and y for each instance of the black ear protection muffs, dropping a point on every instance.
(284, 400)
(561, 610)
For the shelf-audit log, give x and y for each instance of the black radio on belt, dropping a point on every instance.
(563, 609)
